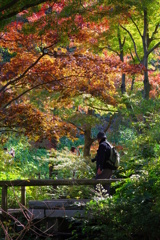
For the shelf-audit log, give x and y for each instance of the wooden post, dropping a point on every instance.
(4, 201)
(23, 195)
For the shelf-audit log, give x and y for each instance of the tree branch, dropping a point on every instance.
(155, 32)
(106, 129)
(20, 9)
(8, 5)
(153, 48)
(136, 27)
(111, 49)
(123, 41)
(132, 56)
(135, 49)
(10, 130)
(103, 109)
(28, 90)
(109, 124)
(44, 52)
(22, 75)
(74, 125)
(38, 85)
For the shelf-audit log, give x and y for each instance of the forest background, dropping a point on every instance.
(68, 70)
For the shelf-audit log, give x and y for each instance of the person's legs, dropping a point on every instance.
(106, 174)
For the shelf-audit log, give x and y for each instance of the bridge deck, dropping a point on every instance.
(58, 208)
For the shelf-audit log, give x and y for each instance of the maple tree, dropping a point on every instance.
(148, 15)
(127, 28)
(55, 59)
(107, 34)
(139, 24)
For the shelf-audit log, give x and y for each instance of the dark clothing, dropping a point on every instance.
(106, 174)
(103, 153)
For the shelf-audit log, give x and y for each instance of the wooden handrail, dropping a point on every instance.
(56, 182)
(45, 182)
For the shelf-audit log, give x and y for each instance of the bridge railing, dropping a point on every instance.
(44, 182)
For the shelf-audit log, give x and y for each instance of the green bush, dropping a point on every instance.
(67, 165)
(133, 211)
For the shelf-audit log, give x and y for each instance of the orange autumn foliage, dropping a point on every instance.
(41, 62)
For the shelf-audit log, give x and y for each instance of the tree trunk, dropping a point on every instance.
(146, 80)
(133, 80)
(50, 170)
(123, 85)
(145, 59)
(87, 137)
(87, 143)
(121, 45)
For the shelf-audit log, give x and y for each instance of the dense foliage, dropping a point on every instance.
(132, 210)
(67, 70)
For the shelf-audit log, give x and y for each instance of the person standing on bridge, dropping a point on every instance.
(104, 170)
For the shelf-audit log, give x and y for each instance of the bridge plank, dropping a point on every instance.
(36, 213)
(58, 203)
(41, 213)
(64, 213)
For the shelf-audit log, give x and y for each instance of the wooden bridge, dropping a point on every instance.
(34, 205)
